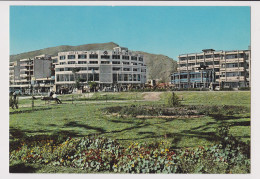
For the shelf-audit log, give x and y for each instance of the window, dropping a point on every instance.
(209, 63)
(82, 62)
(133, 58)
(208, 56)
(182, 58)
(134, 63)
(105, 57)
(116, 69)
(59, 69)
(231, 56)
(216, 62)
(241, 55)
(124, 57)
(93, 62)
(116, 62)
(125, 77)
(105, 62)
(71, 56)
(138, 77)
(82, 56)
(130, 77)
(191, 58)
(216, 55)
(62, 63)
(93, 68)
(141, 59)
(126, 63)
(55, 60)
(231, 65)
(232, 74)
(63, 57)
(135, 69)
(200, 57)
(93, 56)
(83, 68)
(126, 69)
(115, 56)
(72, 62)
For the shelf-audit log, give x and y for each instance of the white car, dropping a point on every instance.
(217, 88)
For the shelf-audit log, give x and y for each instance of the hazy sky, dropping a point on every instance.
(170, 30)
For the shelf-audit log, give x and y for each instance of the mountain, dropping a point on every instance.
(158, 66)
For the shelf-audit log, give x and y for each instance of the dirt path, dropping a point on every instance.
(152, 96)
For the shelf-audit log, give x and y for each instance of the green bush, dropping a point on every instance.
(172, 100)
(244, 88)
(99, 154)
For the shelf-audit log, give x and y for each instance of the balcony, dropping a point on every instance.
(209, 60)
(235, 69)
(182, 68)
(192, 61)
(200, 60)
(235, 60)
(25, 69)
(23, 75)
(235, 78)
(183, 62)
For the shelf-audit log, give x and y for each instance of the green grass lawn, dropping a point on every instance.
(87, 118)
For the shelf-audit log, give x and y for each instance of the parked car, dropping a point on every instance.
(17, 92)
(217, 88)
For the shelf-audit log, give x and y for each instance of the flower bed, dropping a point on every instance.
(97, 154)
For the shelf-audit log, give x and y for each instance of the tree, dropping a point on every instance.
(76, 79)
(92, 85)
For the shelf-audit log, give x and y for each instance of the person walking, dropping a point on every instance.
(54, 96)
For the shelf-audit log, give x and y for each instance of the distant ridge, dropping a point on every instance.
(158, 66)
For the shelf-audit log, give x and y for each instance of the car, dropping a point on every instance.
(17, 92)
(217, 88)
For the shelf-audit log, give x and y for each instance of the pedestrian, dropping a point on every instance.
(56, 99)
(51, 94)
(14, 95)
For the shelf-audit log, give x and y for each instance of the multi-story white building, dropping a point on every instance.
(220, 68)
(32, 74)
(116, 68)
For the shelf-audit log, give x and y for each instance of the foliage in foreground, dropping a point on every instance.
(99, 154)
(182, 110)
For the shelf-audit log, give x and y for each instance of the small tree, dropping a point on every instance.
(172, 100)
(76, 79)
(92, 85)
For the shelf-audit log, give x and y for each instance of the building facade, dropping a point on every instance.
(117, 68)
(210, 68)
(32, 74)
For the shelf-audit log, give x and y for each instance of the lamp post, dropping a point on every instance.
(30, 77)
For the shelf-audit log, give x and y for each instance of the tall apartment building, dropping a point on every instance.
(109, 68)
(32, 74)
(213, 68)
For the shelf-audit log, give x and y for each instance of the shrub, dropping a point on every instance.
(244, 88)
(172, 100)
(99, 154)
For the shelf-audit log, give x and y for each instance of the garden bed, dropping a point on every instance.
(98, 154)
(185, 111)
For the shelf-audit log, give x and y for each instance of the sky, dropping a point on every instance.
(167, 30)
